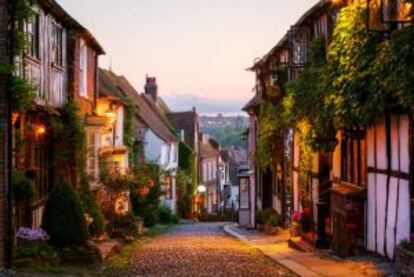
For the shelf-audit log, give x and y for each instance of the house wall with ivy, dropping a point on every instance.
(3, 126)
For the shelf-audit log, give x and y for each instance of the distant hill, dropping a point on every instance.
(204, 105)
(225, 129)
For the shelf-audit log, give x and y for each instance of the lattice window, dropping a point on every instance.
(57, 45)
(396, 11)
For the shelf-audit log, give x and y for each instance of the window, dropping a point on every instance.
(353, 163)
(168, 187)
(92, 157)
(57, 45)
(204, 172)
(83, 69)
(209, 171)
(33, 37)
(244, 194)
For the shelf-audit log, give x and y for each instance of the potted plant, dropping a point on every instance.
(306, 219)
(274, 223)
(296, 226)
(404, 257)
(260, 220)
(32, 248)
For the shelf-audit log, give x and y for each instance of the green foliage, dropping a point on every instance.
(268, 216)
(260, 217)
(408, 245)
(186, 179)
(165, 214)
(185, 193)
(175, 219)
(352, 90)
(225, 134)
(364, 75)
(92, 208)
(63, 217)
(129, 115)
(274, 220)
(123, 226)
(23, 93)
(34, 250)
(150, 215)
(23, 187)
(69, 133)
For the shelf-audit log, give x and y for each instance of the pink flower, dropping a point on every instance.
(296, 216)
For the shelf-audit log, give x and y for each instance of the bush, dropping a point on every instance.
(124, 226)
(175, 219)
(63, 217)
(150, 216)
(260, 217)
(274, 219)
(23, 187)
(165, 214)
(408, 245)
(92, 208)
(269, 217)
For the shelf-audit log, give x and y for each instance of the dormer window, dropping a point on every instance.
(83, 69)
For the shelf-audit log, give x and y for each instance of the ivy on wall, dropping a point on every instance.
(23, 90)
(345, 86)
(186, 178)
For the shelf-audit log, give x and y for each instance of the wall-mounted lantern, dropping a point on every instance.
(383, 15)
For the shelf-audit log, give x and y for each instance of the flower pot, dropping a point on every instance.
(404, 261)
(273, 230)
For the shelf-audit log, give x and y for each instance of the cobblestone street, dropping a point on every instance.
(200, 249)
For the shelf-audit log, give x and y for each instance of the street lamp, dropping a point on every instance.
(201, 189)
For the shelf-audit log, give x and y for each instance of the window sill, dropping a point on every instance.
(33, 60)
(58, 67)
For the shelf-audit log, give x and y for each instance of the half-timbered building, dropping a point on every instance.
(361, 193)
(52, 65)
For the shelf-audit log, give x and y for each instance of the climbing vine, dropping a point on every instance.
(346, 85)
(23, 91)
(68, 131)
(130, 111)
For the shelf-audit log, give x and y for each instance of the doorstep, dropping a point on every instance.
(108, 248)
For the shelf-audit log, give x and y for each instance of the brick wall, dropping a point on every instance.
(3, 128)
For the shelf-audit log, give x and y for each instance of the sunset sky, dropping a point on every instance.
(193, 47)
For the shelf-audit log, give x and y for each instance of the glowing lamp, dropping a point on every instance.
(40, 130)
(201, 188)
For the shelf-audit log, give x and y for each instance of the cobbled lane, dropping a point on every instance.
(200, 249)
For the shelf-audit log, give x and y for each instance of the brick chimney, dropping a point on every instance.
(151, 88)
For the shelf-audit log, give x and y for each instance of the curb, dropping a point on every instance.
(294, 267)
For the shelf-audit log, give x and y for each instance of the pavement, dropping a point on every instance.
(309, 264)
(200, 249)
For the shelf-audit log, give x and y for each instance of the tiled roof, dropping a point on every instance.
(254, 102)
(208, 150)
(185, 121)
(108, 85)
(148, 113)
